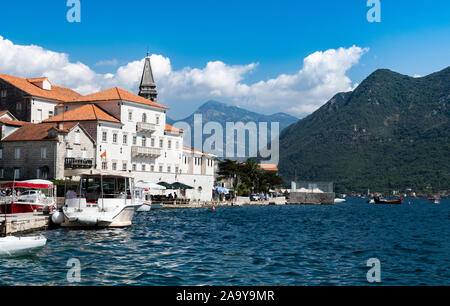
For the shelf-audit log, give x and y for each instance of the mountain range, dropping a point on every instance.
(391, 127)
(214, 111)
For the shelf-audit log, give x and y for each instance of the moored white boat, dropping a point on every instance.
(143, 191)
(339, 200)
(103, 199)
(32, 197)
(14, 246)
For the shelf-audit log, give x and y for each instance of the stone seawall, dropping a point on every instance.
(326, 198)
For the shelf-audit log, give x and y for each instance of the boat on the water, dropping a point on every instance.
(388, 201)
(103, 199)
(143, 192)
(435, 199)
(339, 200)
(15, 246)
(378, 200)
(28, 196)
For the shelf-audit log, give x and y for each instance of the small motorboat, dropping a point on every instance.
(15, 246)
(143, 191)
(339, 200)
(434, 199)
(36, 195)
(104, 199)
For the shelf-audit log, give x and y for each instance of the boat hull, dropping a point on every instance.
(144, 208)
(15, 246)
(388, 202)
(120, 219)
(19, 208)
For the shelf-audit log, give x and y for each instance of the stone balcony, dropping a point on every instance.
(146, 128)
(145, 152)
(78, 163)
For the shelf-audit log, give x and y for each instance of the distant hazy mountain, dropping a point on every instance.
(391, 126)
(222, 113)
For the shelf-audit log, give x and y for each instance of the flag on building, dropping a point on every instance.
(103, 155)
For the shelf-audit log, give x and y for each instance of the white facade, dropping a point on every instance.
(142, 144)
(42, 109)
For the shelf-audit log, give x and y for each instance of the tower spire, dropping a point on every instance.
(147, 89)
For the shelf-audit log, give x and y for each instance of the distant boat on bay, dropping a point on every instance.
(434, 199)
(378, 200)
(388, 201)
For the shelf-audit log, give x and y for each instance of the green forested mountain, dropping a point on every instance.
(391, 126)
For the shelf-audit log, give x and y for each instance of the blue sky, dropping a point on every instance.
(413, 38)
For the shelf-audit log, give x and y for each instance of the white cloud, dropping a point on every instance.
(323, 74)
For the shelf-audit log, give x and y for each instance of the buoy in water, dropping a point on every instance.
(213, 208)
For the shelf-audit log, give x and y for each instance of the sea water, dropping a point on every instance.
(262, 245)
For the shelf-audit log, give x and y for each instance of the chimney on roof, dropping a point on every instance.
(147, 89)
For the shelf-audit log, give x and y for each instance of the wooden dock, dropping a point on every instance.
(23, 223)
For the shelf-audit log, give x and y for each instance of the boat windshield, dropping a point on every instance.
(113, 188)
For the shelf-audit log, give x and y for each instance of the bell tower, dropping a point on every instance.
(147, 89)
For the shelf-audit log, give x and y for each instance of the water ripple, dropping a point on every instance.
(290, 245)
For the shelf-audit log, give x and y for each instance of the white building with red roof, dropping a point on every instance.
(131, 134)
(34, 99)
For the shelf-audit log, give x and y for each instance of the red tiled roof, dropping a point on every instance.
(114, 94)
(86, 112)
(269, 167)
(195, 150)
(192, 149)
(35, 132)
(170, 128)
(14, 122)
(56, 93)
(35, 80)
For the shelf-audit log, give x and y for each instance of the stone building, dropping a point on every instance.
(45, 150)
(32, 100)
(9, 124)
(120, 131)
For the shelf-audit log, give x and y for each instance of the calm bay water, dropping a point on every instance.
(282, 245)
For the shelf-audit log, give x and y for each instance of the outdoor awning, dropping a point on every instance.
(221, 190)
(181, 186)
(149, 186)
(167, 185)
(38, 184)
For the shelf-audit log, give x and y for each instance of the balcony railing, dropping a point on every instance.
(144, 127)
(78, 163)
(145, 152)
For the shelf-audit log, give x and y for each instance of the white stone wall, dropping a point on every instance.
(116, 152)
(40, 110)
(169, 167)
